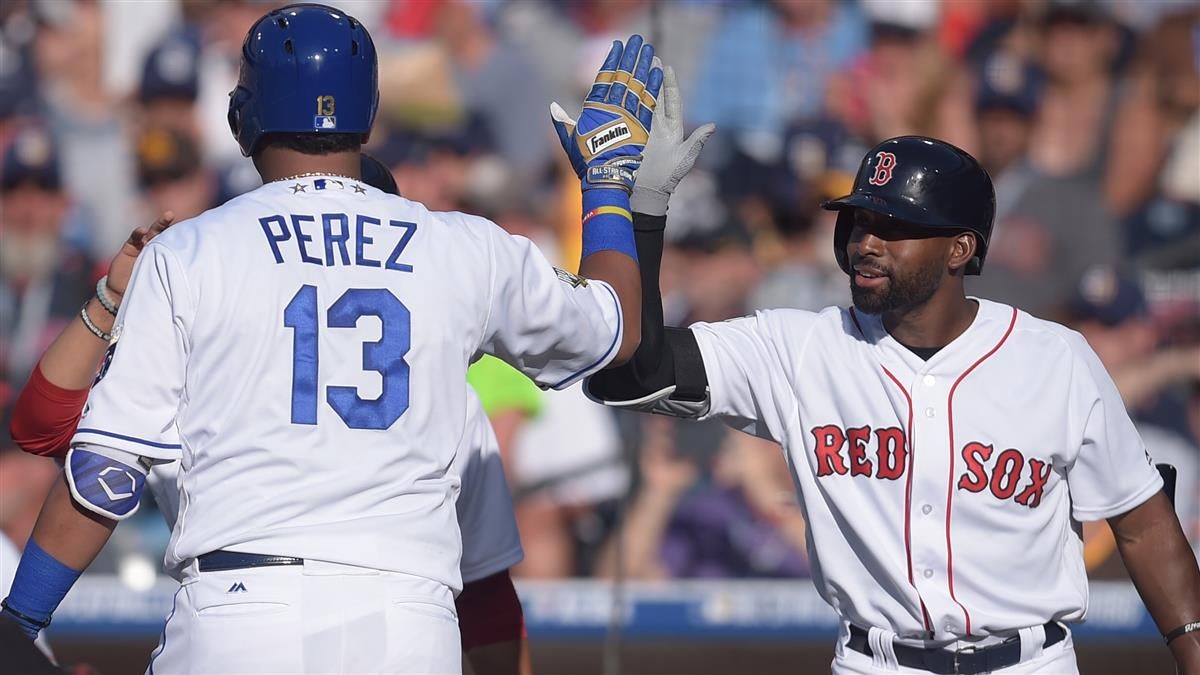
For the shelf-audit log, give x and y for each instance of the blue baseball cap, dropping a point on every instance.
(31, 158)
(172, 69)
(1103, 294)
(1010, 83)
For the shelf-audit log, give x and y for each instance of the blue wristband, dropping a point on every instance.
(41, 582)
(607, 223)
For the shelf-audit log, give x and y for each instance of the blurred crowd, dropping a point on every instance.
(1085, 112)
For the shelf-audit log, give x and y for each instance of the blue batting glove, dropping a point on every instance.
(605, 144)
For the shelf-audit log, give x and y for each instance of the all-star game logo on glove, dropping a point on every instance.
(605, 145)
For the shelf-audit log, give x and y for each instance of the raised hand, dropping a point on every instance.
(667, 157)
(605, 144)
(121, 267)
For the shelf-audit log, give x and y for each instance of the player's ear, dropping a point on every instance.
(962, 249)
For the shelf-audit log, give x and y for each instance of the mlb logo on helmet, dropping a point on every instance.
(325, 119)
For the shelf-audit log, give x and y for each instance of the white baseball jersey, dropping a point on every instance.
(303, 349)
(490, 541)
(940, 495)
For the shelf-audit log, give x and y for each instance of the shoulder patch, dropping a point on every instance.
(567, 278)
(108, 354)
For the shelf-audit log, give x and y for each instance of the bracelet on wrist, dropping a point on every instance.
(102, 295)
(1190, 627)
(39, 624)
(91, 325)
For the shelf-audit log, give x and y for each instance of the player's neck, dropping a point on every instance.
(278, 163)
(936, 322)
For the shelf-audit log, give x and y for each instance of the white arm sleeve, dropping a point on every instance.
(1113, 472)
(748, 383)
(551, 325)
(133, 404)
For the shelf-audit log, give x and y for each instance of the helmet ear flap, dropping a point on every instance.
(841, 237)
(239, 99)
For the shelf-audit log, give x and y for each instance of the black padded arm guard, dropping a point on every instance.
(666, 374)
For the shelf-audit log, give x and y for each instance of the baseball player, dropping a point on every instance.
(944, 447)
(302, 350)
(490, 618)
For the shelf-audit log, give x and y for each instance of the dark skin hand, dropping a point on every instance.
(913, 277)
(1163, 569)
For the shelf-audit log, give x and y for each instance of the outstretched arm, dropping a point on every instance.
(1163, 568)
(605, 148)
(666, 373)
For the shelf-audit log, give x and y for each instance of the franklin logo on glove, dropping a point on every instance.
(609, 137)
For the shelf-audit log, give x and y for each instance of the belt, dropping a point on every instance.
(968, 661)
(219, 561)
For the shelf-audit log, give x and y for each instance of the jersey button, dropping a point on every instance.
(927, 509)
(928, 573)
(929, 380)
(929, 412)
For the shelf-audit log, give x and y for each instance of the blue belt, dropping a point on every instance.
(967, 661)
(219, 561)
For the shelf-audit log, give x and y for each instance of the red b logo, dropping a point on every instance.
(883, 168)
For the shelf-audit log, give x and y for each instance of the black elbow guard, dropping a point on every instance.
(668, 380)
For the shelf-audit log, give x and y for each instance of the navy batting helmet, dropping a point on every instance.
(305, 69)
(922, 181)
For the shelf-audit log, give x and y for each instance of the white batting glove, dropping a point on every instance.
(667, 157)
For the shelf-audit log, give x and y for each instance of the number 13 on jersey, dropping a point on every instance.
(385, 357)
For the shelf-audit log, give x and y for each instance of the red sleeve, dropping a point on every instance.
(489, 611)
(45, 416)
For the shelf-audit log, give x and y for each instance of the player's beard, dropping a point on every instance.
(900, 292)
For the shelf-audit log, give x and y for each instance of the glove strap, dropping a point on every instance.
(618, 173)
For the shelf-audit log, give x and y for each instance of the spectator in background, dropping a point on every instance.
(171, 175)
(85, 119)
(905, 83)
(41, 276)
(1110, 311)
(719, 269)
(1078, 49)
(819, 162)
(1049, 229)
(740, 522)
(499, 85)
(1159, 185)
(222, 25)
(791, 49)
(170, 84)
(436, 168)
(18, 78)
(566, 39)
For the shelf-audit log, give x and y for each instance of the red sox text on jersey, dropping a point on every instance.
(883, 454)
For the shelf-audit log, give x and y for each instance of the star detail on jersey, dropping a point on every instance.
(358, 189)
(298, 187)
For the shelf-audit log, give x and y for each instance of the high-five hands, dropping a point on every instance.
(605, 145)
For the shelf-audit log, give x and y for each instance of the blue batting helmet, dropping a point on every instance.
(305, 69)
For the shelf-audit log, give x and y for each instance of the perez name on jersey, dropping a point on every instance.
(330, 239)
